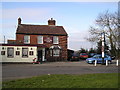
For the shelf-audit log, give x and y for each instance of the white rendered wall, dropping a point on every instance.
(18, 58)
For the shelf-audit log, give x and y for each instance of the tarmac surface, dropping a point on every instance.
(18, 71)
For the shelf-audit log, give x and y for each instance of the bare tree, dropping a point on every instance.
(107, 22)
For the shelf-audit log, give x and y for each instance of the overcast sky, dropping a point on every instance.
(76, 17)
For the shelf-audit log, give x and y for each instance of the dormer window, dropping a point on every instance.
(26, 39)
(55, 40)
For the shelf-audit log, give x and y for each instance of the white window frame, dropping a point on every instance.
(3, 52)
(55, 40)
(24, 54)
(40, 39)
(10, 52)
(51, 52)
(56, 52)
(31, 54)
(27, 39)
(17, 53)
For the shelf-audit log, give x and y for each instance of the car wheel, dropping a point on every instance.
(93, 62)
(109, 62)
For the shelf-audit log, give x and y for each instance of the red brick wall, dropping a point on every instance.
(33, 40)
(19, 38)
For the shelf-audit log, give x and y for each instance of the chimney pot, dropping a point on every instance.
(19, 21)
(51, 22)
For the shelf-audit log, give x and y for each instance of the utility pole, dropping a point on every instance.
(4, 39)
(103, 47)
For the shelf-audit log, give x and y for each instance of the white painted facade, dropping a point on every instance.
(18, 58)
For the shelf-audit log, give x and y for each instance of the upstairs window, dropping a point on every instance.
(40, 39)
(26, 39)
(55, 40)
(10, 52)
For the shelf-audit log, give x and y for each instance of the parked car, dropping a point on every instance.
(83, 55)
(91, 54)
(98, 57)
(112, 57)
(75, 57)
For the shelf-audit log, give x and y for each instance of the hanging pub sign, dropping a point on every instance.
(48, 39)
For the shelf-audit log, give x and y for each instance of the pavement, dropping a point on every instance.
(18, 71)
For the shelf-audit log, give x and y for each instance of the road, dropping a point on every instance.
(17, 71)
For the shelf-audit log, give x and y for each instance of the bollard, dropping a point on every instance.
(106, 62)
(116, 62)
(95, 62)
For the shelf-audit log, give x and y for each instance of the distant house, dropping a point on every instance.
(43, 42)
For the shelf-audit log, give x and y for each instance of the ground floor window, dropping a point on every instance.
(10, 52)
(31, 53)
(24, 52)
(56, 52)
(17, 52)
(51, 52)
(2, 52)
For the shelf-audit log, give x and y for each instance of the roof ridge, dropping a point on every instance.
(40, 25)
(32, 24)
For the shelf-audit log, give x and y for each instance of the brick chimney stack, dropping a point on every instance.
(19, 21)
(51, 22)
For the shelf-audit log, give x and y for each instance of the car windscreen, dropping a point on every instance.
(100, 56)
(97, 56)
(92, 54)
(83, 54)
(74, 54)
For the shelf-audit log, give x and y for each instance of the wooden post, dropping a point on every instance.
(103, 45)
(95, 62)
(116, 62)
(106, 62)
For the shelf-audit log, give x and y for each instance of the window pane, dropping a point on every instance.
(10, 52)
(56, 52)
(27, 39)
(24, 52)
(2, 52)
(31, 53)
(17, 52)
(50, 52)
(55, 40)
(40, 39)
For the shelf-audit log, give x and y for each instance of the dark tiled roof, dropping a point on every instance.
(40, 29)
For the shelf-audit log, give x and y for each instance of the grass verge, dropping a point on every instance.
(106, 80)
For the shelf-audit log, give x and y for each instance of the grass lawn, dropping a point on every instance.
(66, 81)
